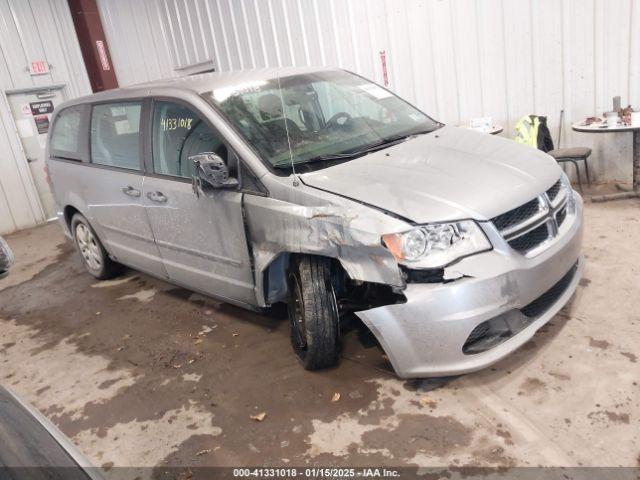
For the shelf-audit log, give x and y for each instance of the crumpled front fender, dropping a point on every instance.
(350, 235)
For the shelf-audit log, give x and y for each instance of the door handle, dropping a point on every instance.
(132, 192)
(157, 197)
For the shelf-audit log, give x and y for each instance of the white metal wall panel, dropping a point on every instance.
(31, 30)
(456, 59)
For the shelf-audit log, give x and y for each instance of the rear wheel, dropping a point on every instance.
(94, 256)
(313, 313)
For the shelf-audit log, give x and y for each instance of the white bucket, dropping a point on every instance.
(612, 119)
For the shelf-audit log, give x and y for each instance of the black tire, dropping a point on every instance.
(313, 313)
(94, 257)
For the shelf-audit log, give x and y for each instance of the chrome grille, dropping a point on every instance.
(531, 239)
(530, 225)
(561, 215)
(553, 192)
(517, 215)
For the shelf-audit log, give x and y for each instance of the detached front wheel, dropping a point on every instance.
(313, 313)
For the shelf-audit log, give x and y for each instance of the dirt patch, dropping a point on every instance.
(606, 416)
(505, 435)
(377, 411)
(494, 456)
(40, 391)
(560, 376)
(601, 344)
(428, 402)
(419, 433)
(491, 455)
(631, 356)
(531, 386)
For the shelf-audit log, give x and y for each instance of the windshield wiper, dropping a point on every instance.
(372, 147)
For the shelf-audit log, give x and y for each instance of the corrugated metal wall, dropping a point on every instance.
(31, 30)
(456, 59)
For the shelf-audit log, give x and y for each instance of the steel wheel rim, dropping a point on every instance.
(296, 314)
(89, 248)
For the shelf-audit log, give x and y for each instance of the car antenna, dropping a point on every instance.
(286, 128)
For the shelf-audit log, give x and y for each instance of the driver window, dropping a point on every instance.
(179, 133)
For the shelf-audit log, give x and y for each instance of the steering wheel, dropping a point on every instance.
(340, 119)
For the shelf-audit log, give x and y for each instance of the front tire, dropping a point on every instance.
(94, 257)
(313, 313)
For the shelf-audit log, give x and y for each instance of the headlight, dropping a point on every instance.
(566, 186)
(437, 244)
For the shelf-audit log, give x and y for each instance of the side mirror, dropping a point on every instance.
(210, 172)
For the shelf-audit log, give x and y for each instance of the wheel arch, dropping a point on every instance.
(69, 211)
(273, 278)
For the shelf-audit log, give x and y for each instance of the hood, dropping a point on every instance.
(449, 174)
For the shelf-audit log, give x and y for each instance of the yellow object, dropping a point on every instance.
(527, 130)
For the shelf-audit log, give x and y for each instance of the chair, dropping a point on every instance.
(573, 155)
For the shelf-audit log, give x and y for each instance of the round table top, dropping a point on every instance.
(602, 127)
(494, 130)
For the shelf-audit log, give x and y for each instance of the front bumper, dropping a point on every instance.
(425, 336)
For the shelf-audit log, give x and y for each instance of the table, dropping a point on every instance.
(495, 129)
(603, 128)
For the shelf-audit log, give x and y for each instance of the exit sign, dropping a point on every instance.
(39, 67)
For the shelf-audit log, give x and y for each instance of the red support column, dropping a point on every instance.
(93, 44)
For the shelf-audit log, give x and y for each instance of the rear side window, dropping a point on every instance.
(115, 135)
(65, 136)
(179, 133)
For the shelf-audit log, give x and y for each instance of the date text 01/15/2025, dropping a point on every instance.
(316, 472)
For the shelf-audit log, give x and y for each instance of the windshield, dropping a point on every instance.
(318, 118)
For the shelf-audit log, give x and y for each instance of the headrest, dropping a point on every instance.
(271, 105)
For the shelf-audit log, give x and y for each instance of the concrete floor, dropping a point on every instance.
(139, 372)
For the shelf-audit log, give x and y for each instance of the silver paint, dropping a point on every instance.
(424, 337)
(234, 245)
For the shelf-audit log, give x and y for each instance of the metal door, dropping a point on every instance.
(114, 184)
(31, 110)
(201, 239)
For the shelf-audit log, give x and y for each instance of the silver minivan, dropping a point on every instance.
(321, 189)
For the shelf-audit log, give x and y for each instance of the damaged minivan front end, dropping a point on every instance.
(485, 306)
(453, 247)
(481, 277)
(444, 297)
